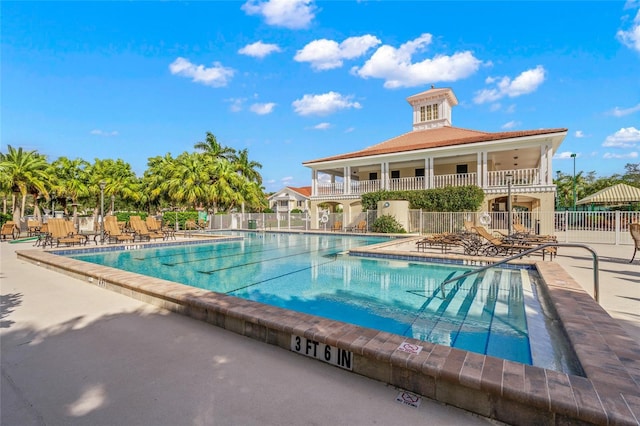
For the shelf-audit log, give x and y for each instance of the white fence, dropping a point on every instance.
(572, 227)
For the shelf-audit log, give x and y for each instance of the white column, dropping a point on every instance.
(384, 171)
(314, 182)
(347, 180)
(427, 173)
(431, 172)
(549, 178)
(485, 170)
(479, 169)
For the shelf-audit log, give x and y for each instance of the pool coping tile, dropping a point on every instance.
(609, 394)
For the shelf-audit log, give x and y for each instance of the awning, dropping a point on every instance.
(616, 194)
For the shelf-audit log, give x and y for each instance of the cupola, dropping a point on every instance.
(432, 108)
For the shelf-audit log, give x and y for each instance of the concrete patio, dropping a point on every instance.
(77, 354)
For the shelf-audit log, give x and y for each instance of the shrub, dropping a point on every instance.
(449, 199)
(387, 224)
(296, 211)
(5, 217)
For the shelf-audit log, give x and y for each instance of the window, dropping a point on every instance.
(422, 113)
(432, 112)
(283, 203)
(419, 172)
(373, 176)
(300, 203)
(461, 169)
(395, 174)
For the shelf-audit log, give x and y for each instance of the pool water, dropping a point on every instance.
(487, 313)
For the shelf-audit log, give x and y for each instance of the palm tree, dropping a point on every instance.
(25, 173)
(155, 180)
(247, 167)
(188, 180)
(70, 180)
(211, 147)
(119, 180)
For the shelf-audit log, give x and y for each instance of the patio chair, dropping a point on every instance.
(499, 246)
(360, 227)
(33, 227)
(113, 231)
(9, 229)
(62, 231)
(337, 226)
(141, 230)
(634, 228)
(152, 224)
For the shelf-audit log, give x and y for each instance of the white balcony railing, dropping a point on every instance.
(365, 186)
(458, 179)
(406, 184)
(522, 177)
(519, 177)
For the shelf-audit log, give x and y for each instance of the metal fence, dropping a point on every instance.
(576, 227)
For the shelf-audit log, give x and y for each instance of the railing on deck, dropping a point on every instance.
(364, 186)
(458, 179)
(406, 184)
(519, 177)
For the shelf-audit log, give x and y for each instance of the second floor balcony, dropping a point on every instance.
(494, 180)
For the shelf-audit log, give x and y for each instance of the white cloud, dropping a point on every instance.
(286, 179)
(621, 112)
(322, 126)
(527, 82)
(324, 104)
(99, 132)
(631, 37)
(236, 104)
(326, 54)
(609, 155)
(566, 155)
(292, 14)
(349, 129)
(216, 76)
(624, 138)
(259, 49)
(579, 134)
(395, 66)
(511, 124)
(263, 109)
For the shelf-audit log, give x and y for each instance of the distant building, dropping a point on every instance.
(434, 155)
(289, 198)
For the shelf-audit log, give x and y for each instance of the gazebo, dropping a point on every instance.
(614, 195)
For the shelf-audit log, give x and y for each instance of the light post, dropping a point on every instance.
(509, 177)
(113, 199)
(574, 181)
(53, 204)
(102, 185)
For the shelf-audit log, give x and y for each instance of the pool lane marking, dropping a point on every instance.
(335, 257)
(230, 255)
(213, 271)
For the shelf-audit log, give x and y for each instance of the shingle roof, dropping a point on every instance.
(435, 138)
(302, 190)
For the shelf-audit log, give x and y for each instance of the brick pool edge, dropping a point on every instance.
(492, 387)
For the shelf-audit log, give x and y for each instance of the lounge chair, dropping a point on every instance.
(113, 231)
(337, 226)
(62, 231)
(33, 227)
(9, 229)
(152, 224)
(142, 231)
(360, 227)
(499, 246)
(634, 228)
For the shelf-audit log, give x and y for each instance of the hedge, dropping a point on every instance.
(448, 199)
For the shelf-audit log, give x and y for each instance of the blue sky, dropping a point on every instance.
(296, 80)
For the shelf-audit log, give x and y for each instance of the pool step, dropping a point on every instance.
(476, 315)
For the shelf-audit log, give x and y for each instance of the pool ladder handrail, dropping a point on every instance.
(596, 280)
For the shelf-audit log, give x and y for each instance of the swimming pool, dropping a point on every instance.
(495, 313)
